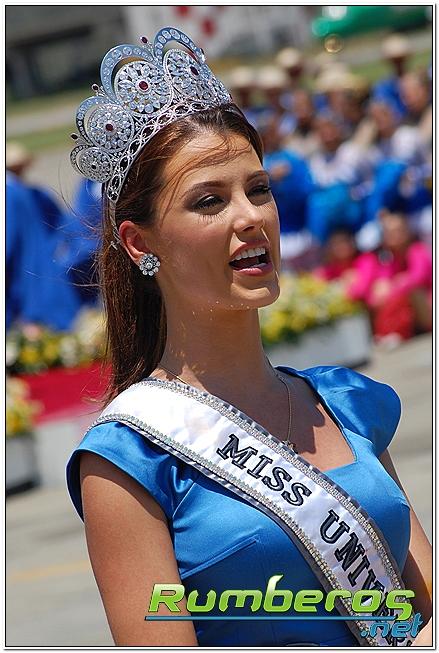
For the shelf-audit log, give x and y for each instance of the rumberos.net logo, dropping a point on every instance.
(387, 614)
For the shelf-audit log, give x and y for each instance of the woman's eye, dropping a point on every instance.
(208, 202)
(260, 194)
(214, 203)
(261, 190)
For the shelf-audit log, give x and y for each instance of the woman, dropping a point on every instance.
(163, 480)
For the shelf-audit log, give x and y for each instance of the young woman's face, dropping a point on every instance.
(210, 215)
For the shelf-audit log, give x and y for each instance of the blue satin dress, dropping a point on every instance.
(221, 542)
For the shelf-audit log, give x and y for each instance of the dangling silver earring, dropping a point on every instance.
(149, 264)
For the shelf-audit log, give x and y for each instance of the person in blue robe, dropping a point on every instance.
(80, 231)
(290, 178)
(36, 288)
(396, 51)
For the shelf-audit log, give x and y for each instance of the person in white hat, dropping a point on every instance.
(272, 82)
(38, 290)
(396, 51)
(303, 140)
(345, 93)
(18, 158)
(292, 62)
(242, 82)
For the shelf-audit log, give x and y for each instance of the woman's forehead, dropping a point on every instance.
(211, 155)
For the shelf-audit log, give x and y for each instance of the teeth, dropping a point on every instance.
(246, 253)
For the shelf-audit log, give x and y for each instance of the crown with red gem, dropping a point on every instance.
(144, 88)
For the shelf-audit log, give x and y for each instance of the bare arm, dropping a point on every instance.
(417, 574)
(130, 549)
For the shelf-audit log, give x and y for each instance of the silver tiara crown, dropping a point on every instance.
(144, 88)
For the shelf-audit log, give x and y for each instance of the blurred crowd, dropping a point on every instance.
(351, 172)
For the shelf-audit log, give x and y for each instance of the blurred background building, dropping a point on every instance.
(75, 36)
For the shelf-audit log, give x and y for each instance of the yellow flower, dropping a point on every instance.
(50, 351)
(304, 302)
(297, 322)
(20, 411)
(12, 423)
(29, 355)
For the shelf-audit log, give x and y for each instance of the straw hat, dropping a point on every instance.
(271, 77)
(396, 46)
(332, 78)
(241, 77)
(355, 83)
(289, 58)
(17, 156)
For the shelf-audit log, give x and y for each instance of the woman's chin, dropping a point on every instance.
(257, 297)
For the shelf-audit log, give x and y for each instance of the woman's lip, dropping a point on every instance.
(256, 272)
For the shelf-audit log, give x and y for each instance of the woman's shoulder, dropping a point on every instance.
(339, 378)
(164, 476)
(365, 406)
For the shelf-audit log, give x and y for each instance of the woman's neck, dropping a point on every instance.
(217, 351)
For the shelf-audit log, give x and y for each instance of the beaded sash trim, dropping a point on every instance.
(219, 440)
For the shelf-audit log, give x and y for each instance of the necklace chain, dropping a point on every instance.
(165, 369)
(290, 410)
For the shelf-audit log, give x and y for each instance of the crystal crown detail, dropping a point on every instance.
(144, 88)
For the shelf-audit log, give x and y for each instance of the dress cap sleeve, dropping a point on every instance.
(134, 454)
(365, 406)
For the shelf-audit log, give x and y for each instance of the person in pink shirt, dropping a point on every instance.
(395, 281)
(341, 257)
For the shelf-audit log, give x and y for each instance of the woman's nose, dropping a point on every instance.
(247, 216)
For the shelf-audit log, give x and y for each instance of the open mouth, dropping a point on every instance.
(251, 258)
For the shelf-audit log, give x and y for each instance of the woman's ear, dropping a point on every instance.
(133, 239)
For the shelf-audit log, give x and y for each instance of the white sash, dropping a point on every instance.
(339, 540)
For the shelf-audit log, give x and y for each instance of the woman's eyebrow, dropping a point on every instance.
(202, 185)
(219, 184)
(258, 173)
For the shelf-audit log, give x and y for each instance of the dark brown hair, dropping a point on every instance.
(135, 312)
